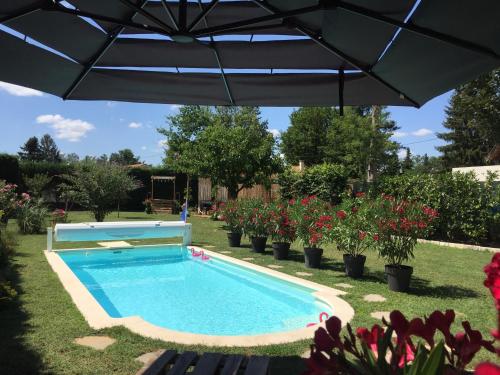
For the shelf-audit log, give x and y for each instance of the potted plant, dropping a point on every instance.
(352, 233)
(400, 223)
(313, 228)
(257, 224)
(230, 212)
(283, 231)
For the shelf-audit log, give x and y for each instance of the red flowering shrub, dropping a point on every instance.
(353, 230)
(376, 351)
(256, 217)
(398, 225)
(283, 227)
(231, 213)
(314, 223)
(8, 199)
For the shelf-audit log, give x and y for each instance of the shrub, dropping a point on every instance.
(314, 224)
(256, 217)
(8, 198)
(148, 206)
(465, 205)
(353, 230)
(231, 213)
(283, 228)
(59, 216)
(326, 181)
(399, 224)
(31, 215)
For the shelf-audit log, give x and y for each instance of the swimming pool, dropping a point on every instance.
(168, 289)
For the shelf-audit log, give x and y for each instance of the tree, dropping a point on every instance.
(71, 158)
(407, 164)
(124, 157)
(473, 118)
(305, 139)
(31, 150)
(426, 164)
(49, 150)
(37, 184)
(98, 186)
(230, 145)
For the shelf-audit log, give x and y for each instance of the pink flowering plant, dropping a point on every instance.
(59, 216)
(314, 221)
(8, 199)
(415, 349)
(399, 224)
(283, 227)
(353, 230)
(231, 213)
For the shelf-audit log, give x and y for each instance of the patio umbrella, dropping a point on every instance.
(260, 52)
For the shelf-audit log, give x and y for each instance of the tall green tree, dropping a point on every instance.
(473, 121)
(124, 157)
(49, 150)
(31, 150)
(305, 139)
(230, 145)
(407, 163)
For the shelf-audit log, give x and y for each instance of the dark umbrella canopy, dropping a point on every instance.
(263, 53)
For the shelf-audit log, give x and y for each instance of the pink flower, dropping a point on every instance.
(492, 281)
(360, 194)
(487, 368)
(341, 214)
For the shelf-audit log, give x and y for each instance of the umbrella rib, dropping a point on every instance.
(203, 14)
(182, 14)
(338, 53)
(217, 57)
(88, 67)
(275, 15)
(422, 31)
(170, 14)
(146, 14)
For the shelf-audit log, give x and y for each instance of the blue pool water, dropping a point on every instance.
(168, 287)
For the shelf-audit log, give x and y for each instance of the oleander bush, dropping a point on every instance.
(31, 215)
(468, 209)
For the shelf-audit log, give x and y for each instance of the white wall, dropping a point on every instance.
(481, 172)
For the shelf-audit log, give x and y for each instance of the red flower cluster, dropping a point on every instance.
(341, 214)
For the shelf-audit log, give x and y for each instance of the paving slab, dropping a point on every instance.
(148, 358)
(303, 273)
(115, 244)
(374, 298)
(275, 266)
(344, 285)
(95, 342)
(248, 259)
(226, 252)
(381, 314)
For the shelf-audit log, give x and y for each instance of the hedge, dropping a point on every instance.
(9, 169)
(327, 181)
(468, 209)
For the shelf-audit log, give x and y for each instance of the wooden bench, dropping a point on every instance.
(173, 363)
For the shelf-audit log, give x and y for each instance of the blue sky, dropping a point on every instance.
(98, 127)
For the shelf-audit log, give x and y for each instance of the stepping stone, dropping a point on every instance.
(209, 246)
(225, 252)
(380, 314)
(95, 342)
(115, 244)
(275, 266)
(147, 358)
(374, 298)
(248, 259)
(303, 273)
(306, 354)
(344, 285)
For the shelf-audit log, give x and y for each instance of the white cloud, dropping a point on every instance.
(65, 128)
(175, 107)
(162, 144)
(111, 104)
(275, 132)
(422, 132)
(18, 90)
(402, 153)
(398, 134)
(135, 125)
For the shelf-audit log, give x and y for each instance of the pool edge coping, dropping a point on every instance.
(98, 318)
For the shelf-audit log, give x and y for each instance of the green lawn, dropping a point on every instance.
(37, 331)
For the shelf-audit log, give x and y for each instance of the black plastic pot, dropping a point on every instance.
(234, 239)
(398, 277)
(258, 244)
(312, 257)
(280, 250)
(354, 265)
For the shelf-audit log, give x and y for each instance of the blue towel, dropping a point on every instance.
(184, 214)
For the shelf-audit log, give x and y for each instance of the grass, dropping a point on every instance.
(37, 330)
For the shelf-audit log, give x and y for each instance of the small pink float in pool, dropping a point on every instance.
(322, 316)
